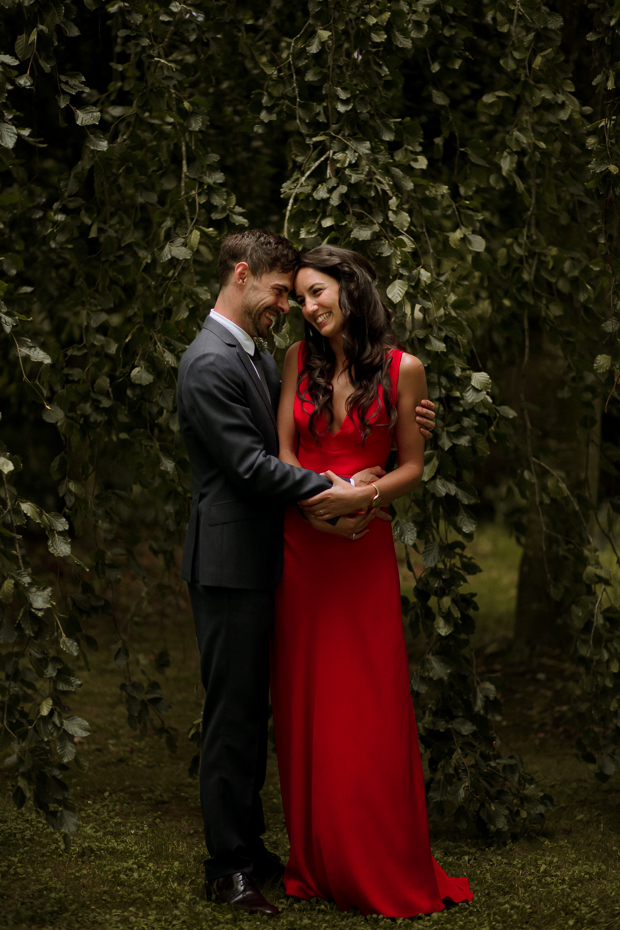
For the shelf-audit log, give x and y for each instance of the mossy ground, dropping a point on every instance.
(136, 860)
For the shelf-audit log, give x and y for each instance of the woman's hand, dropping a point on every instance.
(425, 417)
(342, 498)
(351, 527)
(368, 475)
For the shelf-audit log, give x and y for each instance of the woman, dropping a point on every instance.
(351, 775)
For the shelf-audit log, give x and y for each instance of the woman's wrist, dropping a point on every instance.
(368, 492)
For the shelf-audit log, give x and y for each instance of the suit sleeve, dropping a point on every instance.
(216, 408)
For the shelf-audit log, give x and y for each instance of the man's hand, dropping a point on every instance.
(351, 527)
(368, 476)
(342, 498)
(425, 417)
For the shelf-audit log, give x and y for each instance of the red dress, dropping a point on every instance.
(346, 737)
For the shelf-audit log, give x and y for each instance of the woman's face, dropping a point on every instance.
(317, 295)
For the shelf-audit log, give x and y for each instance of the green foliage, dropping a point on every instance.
(446, 141)
(136, 859)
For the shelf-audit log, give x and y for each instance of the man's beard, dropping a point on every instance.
(254, 325)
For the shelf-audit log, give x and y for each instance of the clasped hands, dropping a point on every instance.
(351, 503)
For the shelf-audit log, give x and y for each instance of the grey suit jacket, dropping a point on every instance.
(239, 486)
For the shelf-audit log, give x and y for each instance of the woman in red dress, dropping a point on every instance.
(346, 737)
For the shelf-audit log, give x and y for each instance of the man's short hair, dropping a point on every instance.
(263, 251)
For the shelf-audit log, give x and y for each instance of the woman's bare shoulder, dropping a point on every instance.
(411, 377)
(291, 359)
(294, 349)
(411, 363)
(292, 353)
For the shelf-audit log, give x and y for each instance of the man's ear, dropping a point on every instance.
(241, 273)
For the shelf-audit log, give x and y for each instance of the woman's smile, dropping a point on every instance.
(318, 295)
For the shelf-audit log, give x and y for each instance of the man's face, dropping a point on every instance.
(264, 300)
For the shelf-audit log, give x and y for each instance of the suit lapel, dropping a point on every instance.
(226, 336)
(256, 381)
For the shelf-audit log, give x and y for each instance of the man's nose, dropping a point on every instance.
(283, 305)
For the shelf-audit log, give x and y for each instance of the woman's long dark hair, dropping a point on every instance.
(367, 335)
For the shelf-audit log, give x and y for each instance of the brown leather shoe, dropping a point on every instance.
(240, 892)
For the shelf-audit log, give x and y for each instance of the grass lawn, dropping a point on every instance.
(136, 859)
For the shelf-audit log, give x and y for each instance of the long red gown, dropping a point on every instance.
(346, 737)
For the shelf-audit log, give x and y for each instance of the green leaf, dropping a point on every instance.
(463, 726)
(69, 645)
(440, 667)
(405, 532)
(121, 656)
(430, 466)
(140, 375)
(8, 135)
(7, 589)
(466, 522)
(401, 40)
(179, 251)
(481, 380)
(443, 625)
(87, 116)
(76, 726)
(602, 363)
(397, 290)
(59, 546)
(431, 554)
(362, 231)
(6, 465)
(22, 46)
(439, 97)
(55, 521)
(39, 598)
(32, 511)
(26, 347)
(476, 243)
(435, 344)
(193, 240)
(507, 412)
(67, 821)
(440, 487)
(67, 749)
(45, 707)
(97, 143)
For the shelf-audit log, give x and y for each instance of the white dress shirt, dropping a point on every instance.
(244, 338)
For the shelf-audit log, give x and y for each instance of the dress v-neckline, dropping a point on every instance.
(347, 416)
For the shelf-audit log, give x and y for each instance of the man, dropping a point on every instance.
(227, 400)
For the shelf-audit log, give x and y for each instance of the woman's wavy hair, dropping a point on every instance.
(367, 335)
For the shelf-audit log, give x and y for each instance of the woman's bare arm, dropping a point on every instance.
(287, 431)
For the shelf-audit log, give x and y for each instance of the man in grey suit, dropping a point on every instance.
(232, 560)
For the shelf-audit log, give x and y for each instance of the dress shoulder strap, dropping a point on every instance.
(396, 356)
